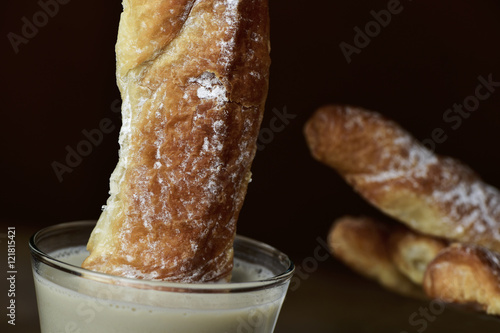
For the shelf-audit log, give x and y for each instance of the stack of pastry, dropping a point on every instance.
(448, 241)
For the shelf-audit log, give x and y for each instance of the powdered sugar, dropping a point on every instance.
(472, 205)
(210, 88)
(432, 190)
(414, 165)
(231, 15)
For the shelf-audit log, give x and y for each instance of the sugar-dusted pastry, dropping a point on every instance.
(193, 76)
(434, 195)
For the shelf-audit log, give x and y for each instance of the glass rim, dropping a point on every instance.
(219, 287)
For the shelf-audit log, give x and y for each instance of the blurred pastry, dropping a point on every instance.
(431, 194)
(439, 198)
(465, 274)
(362, 244)
(412, 252)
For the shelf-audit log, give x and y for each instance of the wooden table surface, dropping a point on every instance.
(325, 297)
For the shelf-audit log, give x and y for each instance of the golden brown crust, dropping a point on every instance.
(431, 194)
(412, 252)
(362, 244)
(193, 77)
(465, 274)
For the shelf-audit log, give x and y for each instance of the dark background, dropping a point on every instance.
(62, 82)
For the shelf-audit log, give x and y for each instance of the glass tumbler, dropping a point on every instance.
(73, 299)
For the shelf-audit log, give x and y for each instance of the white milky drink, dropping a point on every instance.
(71, 299)
(90, 306)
